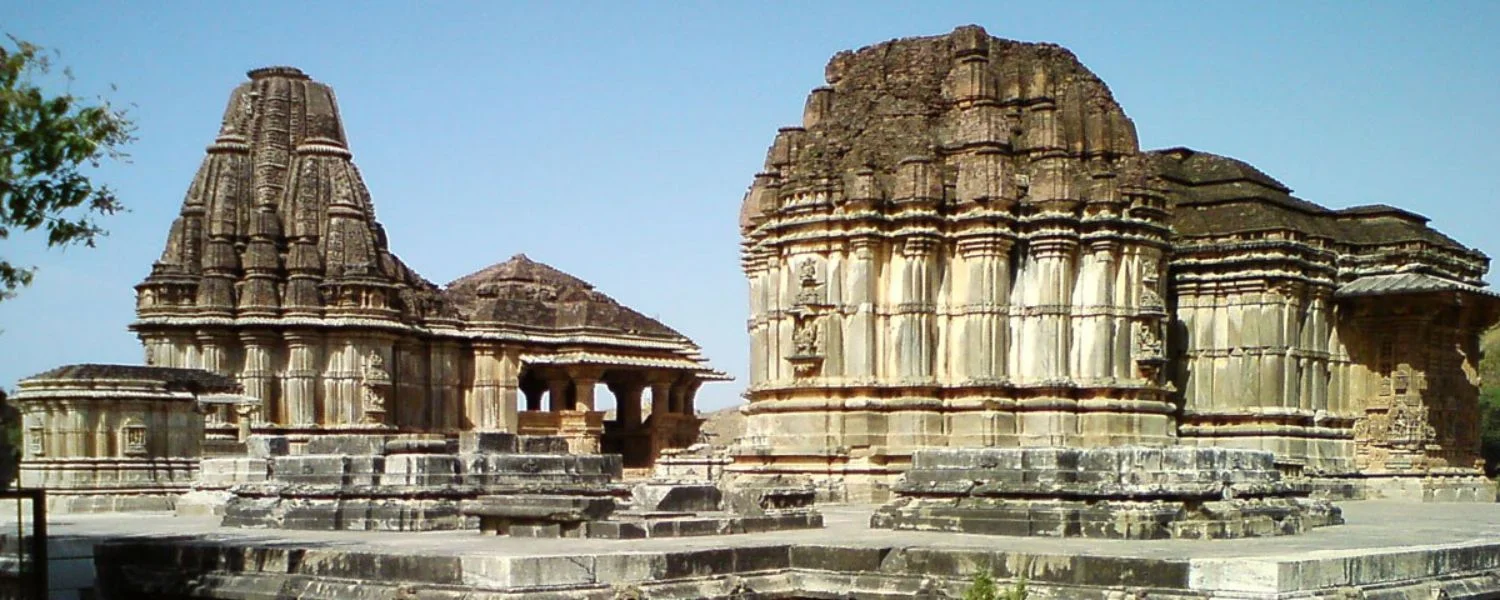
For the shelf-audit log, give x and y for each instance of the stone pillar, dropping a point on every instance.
(688, 401)
(214, 357)
(913, 321)
(258, 378)
(1093, 299)
(342, 396)
(409, 399)
(559, 387)
(981, 331)
(627, 391)
(661, 395)
(1044, 326)
(510, 381)
(584, 380)
(759, 325)
(860, 341)
(299, 392)
(443, 385)
(482, 407)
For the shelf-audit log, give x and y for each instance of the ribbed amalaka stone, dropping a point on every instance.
(277, 273)
(993, 270)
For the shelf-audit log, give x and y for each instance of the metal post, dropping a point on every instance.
(39, 543)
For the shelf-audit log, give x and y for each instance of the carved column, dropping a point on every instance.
(860, 341)
(483, 410)
(214, 357)
(982, 332)
(688, 400)
(559, 390)
(914, 321)
(1093, 311)
(661, 395)
(627, 391)
(1045, 326)
(759, 324)
(343, 373)
(443, 385)
(584, 380)
(258, 378)
(409, 397)
(300, 387)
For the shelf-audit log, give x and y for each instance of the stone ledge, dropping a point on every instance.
(233, 570)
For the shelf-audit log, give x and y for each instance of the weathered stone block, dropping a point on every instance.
(267, 446)
(487, 442)
(346, 444)
(676, 497)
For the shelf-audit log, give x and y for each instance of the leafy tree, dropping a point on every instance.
(47, 142)
(1489, 401)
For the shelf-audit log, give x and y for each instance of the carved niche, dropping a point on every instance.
(807, 316)
(133, 439)
(1148, 350)
(36, 441)
(377, 388)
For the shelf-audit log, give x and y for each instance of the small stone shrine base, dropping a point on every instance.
(1122, 492)
(425, 483)
(88, 485)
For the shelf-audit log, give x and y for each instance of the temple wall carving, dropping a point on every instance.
(963, 245)
(276, 273)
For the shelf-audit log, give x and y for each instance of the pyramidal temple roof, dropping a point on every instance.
(278, 227)
(908, 105)
(278, 221)
(523, 292)
(1218, 194)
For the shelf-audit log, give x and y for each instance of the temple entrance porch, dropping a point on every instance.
(562, 401)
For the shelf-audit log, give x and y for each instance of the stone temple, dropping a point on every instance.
(278, 274)
(977, 306)
(963, 245)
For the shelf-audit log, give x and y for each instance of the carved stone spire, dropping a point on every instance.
(278, 220)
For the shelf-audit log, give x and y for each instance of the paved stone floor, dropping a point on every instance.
(1387, 550)
(1371, 526)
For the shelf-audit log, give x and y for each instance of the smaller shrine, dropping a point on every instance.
(103, 438)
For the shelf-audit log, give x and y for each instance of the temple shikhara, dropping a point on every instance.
(278, 274)
(976, 305)
(963, 245)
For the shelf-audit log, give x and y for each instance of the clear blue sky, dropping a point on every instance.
(614, 140)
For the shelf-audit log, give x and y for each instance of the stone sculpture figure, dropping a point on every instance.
(377, 384)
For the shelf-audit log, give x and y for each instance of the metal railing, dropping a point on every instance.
(31, 552)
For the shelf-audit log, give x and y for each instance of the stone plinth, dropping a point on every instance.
(1410, 488)
(422, 483)
(699, 462)
(1124, 492)
(104, 438)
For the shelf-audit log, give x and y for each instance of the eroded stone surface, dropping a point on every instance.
(1452, 552)
(962, 245)
(409, 483)
(1125, 492)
